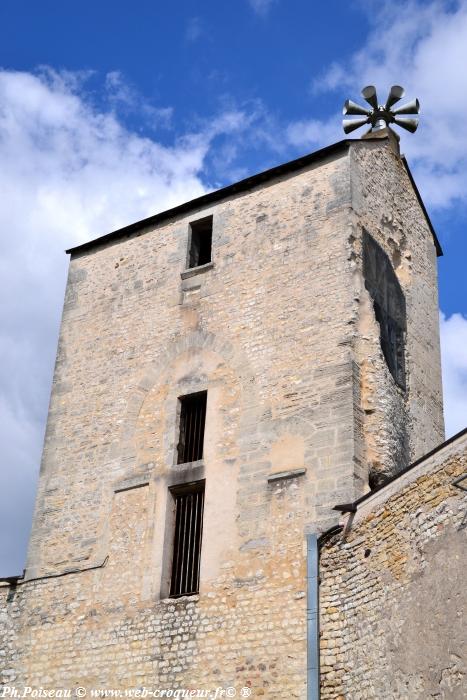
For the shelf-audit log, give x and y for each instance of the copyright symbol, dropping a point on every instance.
(230, 692)
(80, 692)
(245, 692)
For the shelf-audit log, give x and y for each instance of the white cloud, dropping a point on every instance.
(310, 133)
(69, 172)
(454, 363)
(422, 46)
(262, 7)
(124, 97)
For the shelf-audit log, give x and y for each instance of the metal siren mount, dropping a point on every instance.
(381, 116)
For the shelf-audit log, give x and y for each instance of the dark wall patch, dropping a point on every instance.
(389, 306)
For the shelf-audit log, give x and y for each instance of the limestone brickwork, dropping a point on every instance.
(398, 427)
(393, 595)
(280, 332)
(92, 629)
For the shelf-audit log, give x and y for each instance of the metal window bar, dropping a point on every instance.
(189, 505)
(192, 423)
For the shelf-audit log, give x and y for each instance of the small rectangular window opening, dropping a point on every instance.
(200, 242)
(189, 505)
(192, 422)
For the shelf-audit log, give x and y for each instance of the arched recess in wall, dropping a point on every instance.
(148, 446)
(195, 362)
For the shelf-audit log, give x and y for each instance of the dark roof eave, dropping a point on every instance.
(439, 250)
(241, 186)
(217, 195)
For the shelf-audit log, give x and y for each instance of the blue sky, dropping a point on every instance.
(194, 57)
(110, 112)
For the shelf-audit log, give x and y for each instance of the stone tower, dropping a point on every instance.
(227, 372)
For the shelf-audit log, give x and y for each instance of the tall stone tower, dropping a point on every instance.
(227, 372)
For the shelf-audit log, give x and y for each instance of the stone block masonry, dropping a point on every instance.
(281, 332)
(393, 594)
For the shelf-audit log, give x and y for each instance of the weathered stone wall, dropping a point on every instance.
(10, 624)
(271, 330)
(393, 594)
(93, 629)
(398, 426)
(266, 332)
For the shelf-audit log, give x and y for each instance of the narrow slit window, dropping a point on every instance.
(189, 506)
(200, 242)
(192, 422)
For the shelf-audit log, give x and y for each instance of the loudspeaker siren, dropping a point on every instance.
(395, 94)
(350, 125)
(370, 96)
(412, 107)
(407, 123)
(380, 116)
(351, 107)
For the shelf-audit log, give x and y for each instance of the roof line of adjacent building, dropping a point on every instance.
(242, 186)
(352, 507)
(343, 508)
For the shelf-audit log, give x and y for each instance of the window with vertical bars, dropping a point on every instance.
(189, 505)
(192, 421)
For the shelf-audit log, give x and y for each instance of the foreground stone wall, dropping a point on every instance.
(393, 593)
(94, 629)
(10, 624)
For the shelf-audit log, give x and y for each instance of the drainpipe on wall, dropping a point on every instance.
(312, 617)
(313, 543)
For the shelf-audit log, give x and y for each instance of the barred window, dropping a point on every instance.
(189, 506)
(192, 422)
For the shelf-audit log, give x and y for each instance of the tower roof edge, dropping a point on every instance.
(243, 186)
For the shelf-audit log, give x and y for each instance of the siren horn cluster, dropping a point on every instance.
(381, 116)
